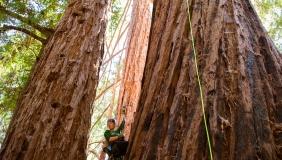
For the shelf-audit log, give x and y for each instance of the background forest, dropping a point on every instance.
(25, 25)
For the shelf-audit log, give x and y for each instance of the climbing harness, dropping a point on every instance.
(199, 81)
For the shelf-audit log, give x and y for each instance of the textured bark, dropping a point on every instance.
(242, 79)
(135, 61)
(52, 118)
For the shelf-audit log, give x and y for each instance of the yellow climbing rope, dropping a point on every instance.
(199, 81)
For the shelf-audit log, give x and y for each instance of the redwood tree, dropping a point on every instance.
(135, 60)
(241, 74)
(52, 117)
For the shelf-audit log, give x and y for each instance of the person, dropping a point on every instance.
(116, 145)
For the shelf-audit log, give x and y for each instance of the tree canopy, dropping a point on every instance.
(271, 15)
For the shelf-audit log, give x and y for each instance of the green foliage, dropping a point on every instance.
(116, 12)
(4, 122)
(270, 12)
(17, 58)
(43, 12)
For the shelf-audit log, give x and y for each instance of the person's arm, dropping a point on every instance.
(110, 138)
(121, 126)
(114, 138)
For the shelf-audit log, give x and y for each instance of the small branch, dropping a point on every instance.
(112, 56)
(7, 27)
(106, 89)
(100, 116)
(95, 153)
(44, 30)
(101, 141)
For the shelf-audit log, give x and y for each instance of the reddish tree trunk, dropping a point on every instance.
(52, 118)
(241, 73)
(135, 60)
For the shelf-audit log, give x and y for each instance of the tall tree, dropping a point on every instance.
(52, 117)
(241, 74)
(18, 47)
(135, 60)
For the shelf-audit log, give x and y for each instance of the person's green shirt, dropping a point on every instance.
(113, 133)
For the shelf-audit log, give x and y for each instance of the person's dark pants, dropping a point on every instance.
(119, 148)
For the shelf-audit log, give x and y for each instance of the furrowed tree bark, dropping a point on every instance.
(135, 61)
(241, 75)
(52, 118)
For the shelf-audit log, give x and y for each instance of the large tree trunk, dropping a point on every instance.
(52, 118)
(241, 75)
(135, 60)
